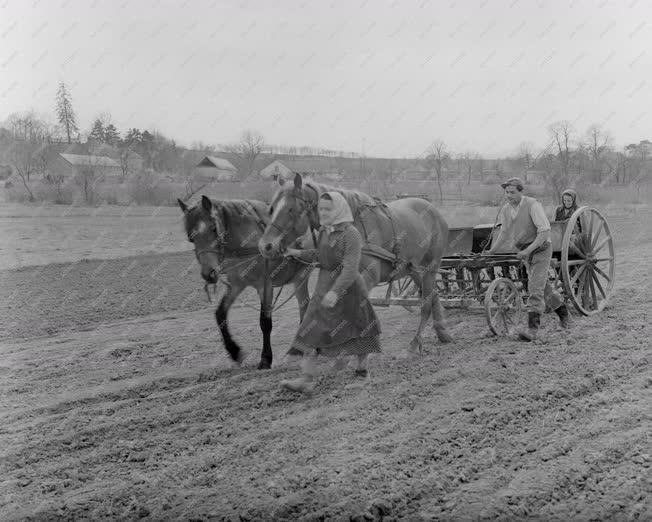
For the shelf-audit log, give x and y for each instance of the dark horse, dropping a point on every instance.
(407, 237)
(226, 235)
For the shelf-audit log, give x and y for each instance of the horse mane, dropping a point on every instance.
(234, 210)
(354, 198)
(229, 210)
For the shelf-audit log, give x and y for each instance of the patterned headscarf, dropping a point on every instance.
(566, 212)
(570, 192)
(341, 211)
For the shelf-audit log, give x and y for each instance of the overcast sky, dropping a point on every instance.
(389, 76)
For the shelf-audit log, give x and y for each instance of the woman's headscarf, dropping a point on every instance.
(341, 211)
(570, 192)
(564, 212)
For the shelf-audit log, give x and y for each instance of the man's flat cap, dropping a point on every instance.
(514, 182)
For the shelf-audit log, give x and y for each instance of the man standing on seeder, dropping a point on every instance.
(526, 229)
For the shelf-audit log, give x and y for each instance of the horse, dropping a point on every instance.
(225, 235)
(406, 237)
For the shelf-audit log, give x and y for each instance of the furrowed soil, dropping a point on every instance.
(119, 402)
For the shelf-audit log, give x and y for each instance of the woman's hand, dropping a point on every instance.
(329, 300)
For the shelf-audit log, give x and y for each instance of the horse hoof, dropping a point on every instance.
(264, 365)
(237, 362)
(444, 337)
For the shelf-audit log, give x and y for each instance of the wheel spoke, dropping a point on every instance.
(602, 259)
(584, 288)
(598, 284)
(599, 271)
(596, 249)
(576, 248)
(589, 230)
(597, 236)
(577, 275)
(574, 262)
(592, 287)
(505, 322)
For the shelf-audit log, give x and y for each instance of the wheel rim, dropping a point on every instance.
(503, 306)
(588, 261)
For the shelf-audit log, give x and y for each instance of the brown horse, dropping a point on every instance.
(407, 237)
(226, 235)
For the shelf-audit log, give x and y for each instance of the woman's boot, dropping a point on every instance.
(305, 383)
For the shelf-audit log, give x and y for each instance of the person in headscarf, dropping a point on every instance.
(340, 319)
(568, 205)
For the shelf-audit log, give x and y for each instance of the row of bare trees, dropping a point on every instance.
(568, 158)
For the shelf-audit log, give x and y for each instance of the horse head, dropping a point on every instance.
(205, 229)
(293, 212)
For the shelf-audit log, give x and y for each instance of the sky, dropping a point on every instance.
(383, 78)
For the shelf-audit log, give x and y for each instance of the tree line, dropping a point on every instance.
(569, 156)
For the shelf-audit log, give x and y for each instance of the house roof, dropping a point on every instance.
(318, 165)
(218, 163)
(87, 159)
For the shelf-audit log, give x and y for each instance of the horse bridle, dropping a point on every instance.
(307, 208)
(220, 250)
(221, 240)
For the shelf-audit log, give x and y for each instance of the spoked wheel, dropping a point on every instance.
(503, 304)
(588, 261)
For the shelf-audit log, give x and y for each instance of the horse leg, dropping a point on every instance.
(416, 344)
(438, 313)
(265, 292)
(265, 322)
(235, 352)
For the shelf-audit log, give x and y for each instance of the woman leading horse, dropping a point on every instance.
(407, 237)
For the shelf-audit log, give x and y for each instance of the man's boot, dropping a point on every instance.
(562, 312)
(533, 322)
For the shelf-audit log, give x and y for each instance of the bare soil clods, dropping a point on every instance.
(118, 401)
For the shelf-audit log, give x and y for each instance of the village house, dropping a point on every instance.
(320, 167)
(212, 168)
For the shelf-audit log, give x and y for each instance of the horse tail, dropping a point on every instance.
(438, 237)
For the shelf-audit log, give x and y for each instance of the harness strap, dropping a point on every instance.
(376, 250)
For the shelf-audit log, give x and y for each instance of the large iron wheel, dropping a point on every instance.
(588, 261)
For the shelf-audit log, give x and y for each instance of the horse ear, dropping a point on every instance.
(206, 203)
(182, 206)
(298, 181)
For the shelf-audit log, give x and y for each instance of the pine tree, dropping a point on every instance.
(132, 137)
(65, 112)
(111, 135)
(97, 132)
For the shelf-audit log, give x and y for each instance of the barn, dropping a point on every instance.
(212, 168)
(69, 165)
